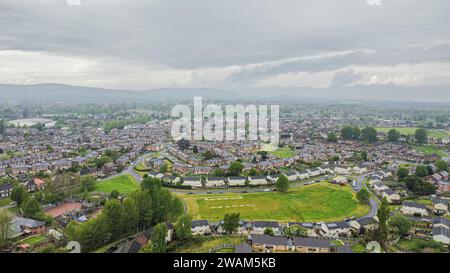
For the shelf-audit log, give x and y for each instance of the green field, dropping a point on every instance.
(123, 184)
(318, 202)
(285, 152)
(429, 150)
(411, 131)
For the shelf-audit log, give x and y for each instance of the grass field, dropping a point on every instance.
(318, 202)
(123, 184)
(34, 240)
(411, 130)
(429, 150)
(284, 152)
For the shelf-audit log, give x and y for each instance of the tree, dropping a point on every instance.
(2, 127)
(364, 156)
(393, 135)
(383, 217)
(183, 227)
(442, 165)
(159, 243)
(421, 136)
(183, 144)
(363, 196)
(402, 224)
(114, 194)
(87, 183)
(419, 187)
(369, 134)
(31, 208)
(421, 171)
(296, 231)
(145, 208)
(402, 173)
(195, 149)
(332, 137)
(100, 162)
(282, 184)
(218, 172)
(19, 194)
(5, 219)
(115, 216)
(269, 231)
(350, 133)
(231, 222)
(235, 168)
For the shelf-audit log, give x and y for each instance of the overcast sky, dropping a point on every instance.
(226, 44)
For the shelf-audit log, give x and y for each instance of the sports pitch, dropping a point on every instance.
(313, 203)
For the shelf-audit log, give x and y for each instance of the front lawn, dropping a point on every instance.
(124, 184)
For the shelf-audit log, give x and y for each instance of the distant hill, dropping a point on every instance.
(77, 94)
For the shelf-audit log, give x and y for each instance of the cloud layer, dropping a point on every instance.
(226, 44)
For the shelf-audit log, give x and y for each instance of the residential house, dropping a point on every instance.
(258, 180)
(440, 206)
(200, 227)
(267, 243)
(363, 224)
(215, 182)
(195, 182)
(291, 176)
(335, 230)
(25, 226)
(415, 209)
(442, 235)
(391, 196)
(234, 181)
(443, 187)
(260, 226)
(312, 245)
(5, 190)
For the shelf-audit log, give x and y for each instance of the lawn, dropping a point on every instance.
(204, 244)
(318, 202)
(5, 202)
(34, 240)
(284, 152)
(123, 184)
(411, 131)
(429, 150)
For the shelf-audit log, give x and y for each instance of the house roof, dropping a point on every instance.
(414, 205)
(441, 220)
(26, 222)
(199, 223)
(311, 242)
(441, 231)
(265, 224)
(270, 240)
(337, 225)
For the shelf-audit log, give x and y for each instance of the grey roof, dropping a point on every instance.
(441, 231)
(389, 191)
(441, 220)
(200, 223)
(237, 178)
(414, 205)
(265, 224)
(440, 201)
(311, 242)
(26, 222)
(270, 240)
(337, 225)
(216, 178)
(303, 224)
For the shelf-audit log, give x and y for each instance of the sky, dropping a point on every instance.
(235, 45)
